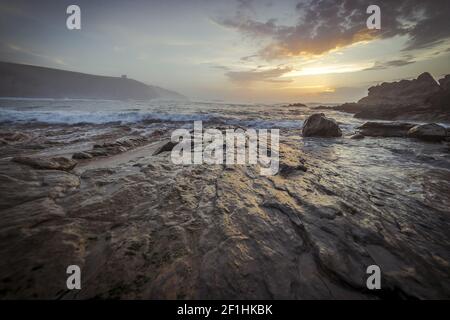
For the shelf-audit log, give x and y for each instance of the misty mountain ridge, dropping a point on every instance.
(27, 81)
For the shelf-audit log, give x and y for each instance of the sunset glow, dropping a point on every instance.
(237, 50)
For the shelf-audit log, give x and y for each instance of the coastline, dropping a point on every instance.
(142, 227)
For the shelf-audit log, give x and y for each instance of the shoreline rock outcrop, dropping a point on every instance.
(417, 99)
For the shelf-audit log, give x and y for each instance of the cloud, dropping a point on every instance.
(22, 55)
(245, 4)
(380, 65)
(324, 25)
(221, 67)
(269, 75)
(249, 58)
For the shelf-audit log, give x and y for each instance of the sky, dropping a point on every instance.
(237, 50)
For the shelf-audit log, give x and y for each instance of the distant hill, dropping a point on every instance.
(26, 81)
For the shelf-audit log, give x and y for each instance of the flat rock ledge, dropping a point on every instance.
(55, 163)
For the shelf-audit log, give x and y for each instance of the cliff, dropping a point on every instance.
(420, 99)
(18, 80)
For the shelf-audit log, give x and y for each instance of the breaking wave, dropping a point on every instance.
(103, 117)
(100, 117)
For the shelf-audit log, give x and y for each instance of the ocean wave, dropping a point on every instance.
(103, 117)
(268, 124)
(75, 117)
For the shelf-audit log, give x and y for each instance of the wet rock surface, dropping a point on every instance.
(111, 148)
(21, 183)
(385, 129)
(164, 147)
(55, 163)
(142, 227)
(356, 136)
(82, 155)
(13, 137)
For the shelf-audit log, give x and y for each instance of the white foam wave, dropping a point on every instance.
(74, 117)
(101, 117)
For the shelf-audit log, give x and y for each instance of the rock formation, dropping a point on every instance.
(418, 99)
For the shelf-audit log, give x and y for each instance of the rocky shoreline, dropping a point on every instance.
(319, 125)
(141, 227)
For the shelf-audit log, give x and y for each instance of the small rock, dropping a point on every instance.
(81, 155)
(428, 132)
(288, 169)
(166, 146)
(98, 152)
(110, 144)
(357, 136)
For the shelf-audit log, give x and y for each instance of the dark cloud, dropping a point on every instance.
(380, 65)
(324, 25)
(269, 75)
(248, 58)
(220, 67)
(245, 4)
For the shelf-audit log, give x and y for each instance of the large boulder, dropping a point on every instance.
(385, 129)
(428, 132)
(317, 125)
